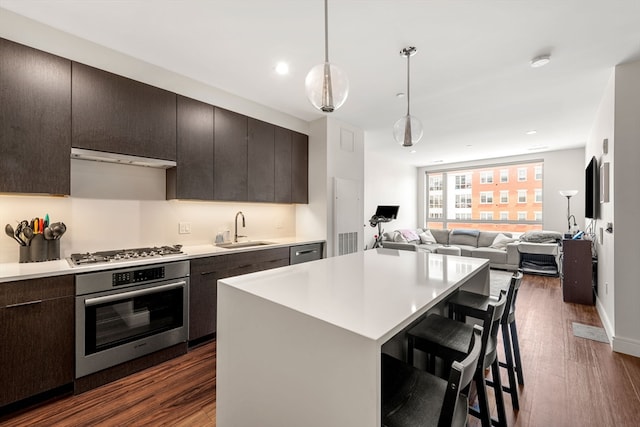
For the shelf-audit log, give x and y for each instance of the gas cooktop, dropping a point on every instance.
(121, 255)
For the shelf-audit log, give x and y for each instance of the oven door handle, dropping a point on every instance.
(111, 298)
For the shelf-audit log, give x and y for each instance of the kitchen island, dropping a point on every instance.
(301, 345)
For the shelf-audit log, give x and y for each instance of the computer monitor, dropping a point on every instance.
(387, 211)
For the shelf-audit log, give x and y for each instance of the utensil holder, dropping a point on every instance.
(25, 254)
(38, 248)
(53, 249)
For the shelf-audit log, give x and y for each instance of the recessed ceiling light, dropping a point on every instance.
(413, 151)
(400, 95)
(540, 61)
(282, 68)
(532, 132)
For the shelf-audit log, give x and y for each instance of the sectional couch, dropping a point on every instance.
(500, 248)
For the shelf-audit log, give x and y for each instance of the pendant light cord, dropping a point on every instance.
(408, 76)
(326, 31)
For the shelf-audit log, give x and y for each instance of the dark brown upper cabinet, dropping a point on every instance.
(283, 165)
(230, 156)
(118, 115)
(192, 178)
(261, 161)
(35, 121)
(299, 168)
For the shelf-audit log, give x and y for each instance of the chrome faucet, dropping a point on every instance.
(235, 235)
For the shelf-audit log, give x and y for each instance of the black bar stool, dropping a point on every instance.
(465, 303)
(414, 398)
(448, 339)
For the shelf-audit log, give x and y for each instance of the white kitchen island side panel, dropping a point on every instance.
(277, 367)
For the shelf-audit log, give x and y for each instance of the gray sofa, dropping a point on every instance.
(502, 253)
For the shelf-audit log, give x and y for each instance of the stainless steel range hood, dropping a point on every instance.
(101, 156)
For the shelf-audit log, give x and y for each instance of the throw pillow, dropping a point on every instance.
(501, 241)
(398, 237)
(427, 237)
(409, 235)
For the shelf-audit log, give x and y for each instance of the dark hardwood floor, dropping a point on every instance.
(569, 381)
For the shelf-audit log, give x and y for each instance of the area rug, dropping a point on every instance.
(590, 332)
(499, 280)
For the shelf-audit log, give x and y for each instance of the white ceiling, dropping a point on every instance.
(471, 83)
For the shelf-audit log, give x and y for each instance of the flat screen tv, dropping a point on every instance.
(389, 212)
(591, 185)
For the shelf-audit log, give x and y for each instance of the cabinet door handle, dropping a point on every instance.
(22, 304)
(310, 251)
(206, 273)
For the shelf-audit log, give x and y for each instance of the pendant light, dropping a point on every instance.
(408, 129)
(326, 85)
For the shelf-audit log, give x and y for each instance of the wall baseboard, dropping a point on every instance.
(618, 344)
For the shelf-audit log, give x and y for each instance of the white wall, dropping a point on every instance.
(603, 128)
(626, 176)
(389, 182)
(563, 170)
(116, 206)
(618, 290)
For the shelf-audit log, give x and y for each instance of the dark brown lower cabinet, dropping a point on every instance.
(37, 329)
(205, 273)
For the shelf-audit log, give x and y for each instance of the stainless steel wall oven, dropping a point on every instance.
(125, 313)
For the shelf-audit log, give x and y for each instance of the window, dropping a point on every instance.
(435, 201)
(522, 196)
(522, 174)
(538, 216)
(538, 193)
(504, 196)
(486, 197)
(435, 183)
(463, 201)
(486, 216)
(538, 173)
(486, 177)
(463, 181)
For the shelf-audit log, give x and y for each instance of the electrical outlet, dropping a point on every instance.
(278, 225)
(184, 228)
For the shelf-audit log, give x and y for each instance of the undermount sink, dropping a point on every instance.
(232, 245)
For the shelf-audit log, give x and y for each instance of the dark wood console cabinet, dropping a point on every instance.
(37, 329)
(577, 272)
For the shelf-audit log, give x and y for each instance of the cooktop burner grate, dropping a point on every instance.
(124, 254)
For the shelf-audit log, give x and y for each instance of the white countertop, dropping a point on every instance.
(20, 271)
(369, 293)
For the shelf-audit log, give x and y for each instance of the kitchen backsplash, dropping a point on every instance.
(116, 206)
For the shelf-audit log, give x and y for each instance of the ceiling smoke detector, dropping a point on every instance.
(540, 61)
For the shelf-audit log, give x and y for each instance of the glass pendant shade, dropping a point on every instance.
(327, 87)
(407, 130)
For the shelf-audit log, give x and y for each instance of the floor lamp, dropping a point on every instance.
(569, 194)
